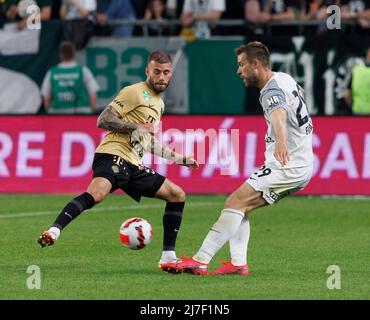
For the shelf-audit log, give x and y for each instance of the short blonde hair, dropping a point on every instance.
(160, 57)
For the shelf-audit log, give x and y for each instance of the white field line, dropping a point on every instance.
(339, 197)
(121, 208)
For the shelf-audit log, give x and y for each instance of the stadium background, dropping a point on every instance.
(52, 154)
(204, 83)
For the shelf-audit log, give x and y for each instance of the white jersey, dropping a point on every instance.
(282, 91)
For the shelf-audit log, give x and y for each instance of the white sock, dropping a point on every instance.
(55, 231)
(226, 226)
(168, 256)
(239, 244)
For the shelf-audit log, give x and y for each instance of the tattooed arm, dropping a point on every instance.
(166, 153)
(111, 120)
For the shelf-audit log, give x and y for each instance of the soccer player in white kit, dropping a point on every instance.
(288, 165)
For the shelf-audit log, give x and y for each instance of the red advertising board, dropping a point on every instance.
(53, 154)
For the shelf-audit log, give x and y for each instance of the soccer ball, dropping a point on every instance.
(135, 233)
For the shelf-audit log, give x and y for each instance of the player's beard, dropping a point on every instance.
(158, 88)
(252, 81)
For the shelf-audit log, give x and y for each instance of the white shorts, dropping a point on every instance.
(276, 184)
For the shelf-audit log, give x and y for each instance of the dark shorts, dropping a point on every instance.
(133, 180)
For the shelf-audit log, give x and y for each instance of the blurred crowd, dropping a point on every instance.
(194, 15)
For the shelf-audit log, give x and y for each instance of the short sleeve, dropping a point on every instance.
(125, 101)
(273, 99)
(90, 5)
(218, 5)
(46, 86)
(187, 6)
(90, 81)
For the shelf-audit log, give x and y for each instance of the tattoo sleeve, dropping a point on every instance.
(111, 120)
(164, 152)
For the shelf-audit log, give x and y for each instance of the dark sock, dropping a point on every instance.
(171, 224)
(73, 209)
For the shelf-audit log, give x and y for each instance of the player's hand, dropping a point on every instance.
(281, 153)
(190, 163)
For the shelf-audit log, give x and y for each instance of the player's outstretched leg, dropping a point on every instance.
(172, 217)
(238, 251)
(96, 192)
(240, 202)
(224, 228)
(72, 210)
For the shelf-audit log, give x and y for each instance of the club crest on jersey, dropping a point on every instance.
(146, 95)
(115, 169)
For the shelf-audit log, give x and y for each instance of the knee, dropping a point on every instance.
(231, 202)
(99, 188)
(98, 195)
(234, 201)
(228, 203)
(244, 204)
(177, 195)
(248, 209)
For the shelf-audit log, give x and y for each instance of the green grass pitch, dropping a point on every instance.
(292, 245)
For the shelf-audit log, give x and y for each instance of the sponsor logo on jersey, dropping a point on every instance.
(273, 100)
(119, 103)
(274, 196)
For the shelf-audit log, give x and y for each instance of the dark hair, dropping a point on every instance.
(67, 50)
(160, 57)
(255, 50)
